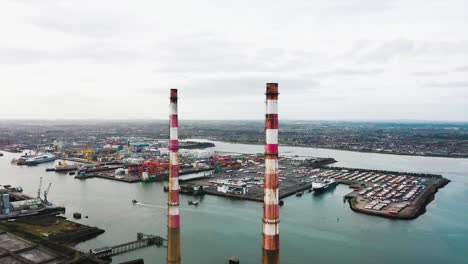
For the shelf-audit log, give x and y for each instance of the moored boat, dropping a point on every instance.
(64, 166)
(320, 184)
(21, 160)
(146, 177)
(40, 159)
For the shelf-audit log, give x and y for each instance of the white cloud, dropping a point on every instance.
(334, 59)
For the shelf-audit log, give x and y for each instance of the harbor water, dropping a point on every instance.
(313, 229)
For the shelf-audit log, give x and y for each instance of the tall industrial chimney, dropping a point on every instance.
(173, 223)
(271, 196)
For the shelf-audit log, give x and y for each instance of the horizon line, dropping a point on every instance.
(256, 120)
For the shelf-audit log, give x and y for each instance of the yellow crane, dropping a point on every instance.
(87, 153)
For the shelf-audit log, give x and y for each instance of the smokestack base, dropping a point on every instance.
(173, 246)
(270, 257)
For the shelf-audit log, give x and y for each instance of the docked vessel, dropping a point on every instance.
(40, 159)
(63, 167)
(15, 204)
(146, 177)
(321, 184)
(13, 189)
(96, 168)
(21, 160)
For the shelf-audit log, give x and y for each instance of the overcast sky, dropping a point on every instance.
(333, 59)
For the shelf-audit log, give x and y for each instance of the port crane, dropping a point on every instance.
(46, 192)
(40, 187)
(87, 154)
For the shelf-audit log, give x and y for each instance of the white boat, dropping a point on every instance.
(40, 159)
(193, 202)
(321, 183)
(21, 160)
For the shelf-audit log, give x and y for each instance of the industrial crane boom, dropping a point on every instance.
(46, 192)
(40, 187)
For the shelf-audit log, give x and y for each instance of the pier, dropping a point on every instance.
(141, 242)
(245, 181)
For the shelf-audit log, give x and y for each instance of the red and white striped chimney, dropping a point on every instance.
(173, 232)
(271, 196)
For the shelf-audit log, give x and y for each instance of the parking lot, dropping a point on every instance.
(247, 181)
(385, 192)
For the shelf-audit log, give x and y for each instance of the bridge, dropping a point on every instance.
(141, 242)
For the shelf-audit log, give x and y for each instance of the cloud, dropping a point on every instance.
(88, 19)
(391, 49)
(94, 53)
(406, 48)
(342, 8)
(239, 87)
(451, 84)
(429, 73)
(362, 52)
(461, 69)
(351, 72)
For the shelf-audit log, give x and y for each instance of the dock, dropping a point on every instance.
(141, 242)
(247, 182)
(186, 175)
(258, 198)
(390, 194)
(108, 176)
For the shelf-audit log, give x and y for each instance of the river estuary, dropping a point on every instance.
(313, 229)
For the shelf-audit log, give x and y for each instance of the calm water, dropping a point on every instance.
(310, 232)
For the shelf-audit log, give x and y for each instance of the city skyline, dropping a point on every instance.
(339, 60)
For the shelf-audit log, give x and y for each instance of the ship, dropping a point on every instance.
(21, 160)
(15, 204)
(146, 177)
(96, 168)
(13, 189)
(63, 167)
(320, 184)
(40, 159)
